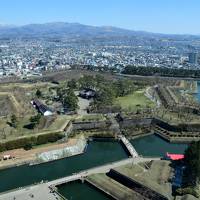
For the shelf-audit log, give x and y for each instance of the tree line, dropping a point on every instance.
(161, 71)
(192, 161)
(28, 142)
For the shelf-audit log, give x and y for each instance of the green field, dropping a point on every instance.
(113, 187)
(134, 101)
(53, 125)
(90, 117)
(155, 177)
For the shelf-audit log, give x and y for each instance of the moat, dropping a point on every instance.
(197, 95)
(98, 153)
(155, 146)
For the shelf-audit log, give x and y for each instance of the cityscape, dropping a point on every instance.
(25, 58)
(99, 100)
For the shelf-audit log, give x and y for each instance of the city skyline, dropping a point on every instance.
(170, 17)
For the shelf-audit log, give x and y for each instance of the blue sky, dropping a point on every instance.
(164, 16)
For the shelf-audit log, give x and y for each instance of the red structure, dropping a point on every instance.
(175, 156)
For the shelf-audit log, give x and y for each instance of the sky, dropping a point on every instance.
(160, 16)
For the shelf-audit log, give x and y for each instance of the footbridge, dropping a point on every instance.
(129, 146)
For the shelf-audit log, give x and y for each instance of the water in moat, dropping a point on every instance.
(197, 95)
(147, 146)
(153, 145)
(98, 153)
(77, 191)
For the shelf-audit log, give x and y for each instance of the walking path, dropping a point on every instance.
(114, 124)
(35, 192)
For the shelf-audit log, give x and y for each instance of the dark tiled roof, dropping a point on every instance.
(41, 107)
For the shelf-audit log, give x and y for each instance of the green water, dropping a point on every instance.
(77, 191)
(155, 146)
(98, 153)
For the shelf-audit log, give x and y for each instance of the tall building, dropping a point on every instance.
(193, 57)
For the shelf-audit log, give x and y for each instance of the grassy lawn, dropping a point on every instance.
(6, 104)
(11, 86)
(156, 177)
(15, 99)
(56, 126)
(134, 101)
(44, 145)
(114, 188)
(91, 117)
(60, 121)
(175, 118)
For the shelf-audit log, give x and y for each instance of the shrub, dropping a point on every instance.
(28, 146)
(28, 142)
(188, 190)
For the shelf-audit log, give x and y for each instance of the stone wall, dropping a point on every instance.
(136, 122)
(76, 149)
(147, 122)
(90, 125)
(165, 125)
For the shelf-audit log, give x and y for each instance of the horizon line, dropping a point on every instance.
(100, 26)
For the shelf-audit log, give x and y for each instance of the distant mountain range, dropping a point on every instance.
(62, 29)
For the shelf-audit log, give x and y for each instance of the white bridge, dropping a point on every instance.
(129, 146)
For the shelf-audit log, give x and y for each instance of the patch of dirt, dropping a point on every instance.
(21, 155)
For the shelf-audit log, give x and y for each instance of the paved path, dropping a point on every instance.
(114, 124)
(35, 192)
(83, 105)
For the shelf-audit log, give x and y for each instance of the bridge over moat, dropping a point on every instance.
(128, 146)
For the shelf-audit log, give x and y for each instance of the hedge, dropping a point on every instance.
(34, 140)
